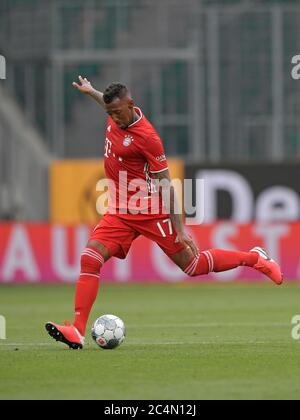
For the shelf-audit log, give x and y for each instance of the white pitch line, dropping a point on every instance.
(25, 345)
(4, 346)
(211, 324)
(200, 343)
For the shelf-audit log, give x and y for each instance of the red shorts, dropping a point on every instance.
(117, 233)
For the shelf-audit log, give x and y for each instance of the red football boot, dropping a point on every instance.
(268, 266)
(67, 334)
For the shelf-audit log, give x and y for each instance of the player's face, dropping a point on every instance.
(121, 111)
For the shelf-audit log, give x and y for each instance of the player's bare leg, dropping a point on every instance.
(92, 260)
(218, 260)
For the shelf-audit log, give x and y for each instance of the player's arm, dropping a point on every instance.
(171, 207)
(84, 86)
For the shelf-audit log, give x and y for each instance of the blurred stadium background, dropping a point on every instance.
(215, 79)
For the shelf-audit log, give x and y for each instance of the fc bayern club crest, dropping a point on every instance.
(127, 141)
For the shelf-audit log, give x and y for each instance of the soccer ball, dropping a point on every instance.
(109, 331)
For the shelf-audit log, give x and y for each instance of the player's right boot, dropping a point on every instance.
(67, 334)
(268, 266)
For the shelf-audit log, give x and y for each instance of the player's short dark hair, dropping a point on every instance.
(113, 91)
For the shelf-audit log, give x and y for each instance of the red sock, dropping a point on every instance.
(87, 287)
(219, 260)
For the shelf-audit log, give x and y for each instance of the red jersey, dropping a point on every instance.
(131, 158)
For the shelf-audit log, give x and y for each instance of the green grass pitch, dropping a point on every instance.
(220, 341)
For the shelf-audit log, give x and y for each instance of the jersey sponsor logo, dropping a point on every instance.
(109, 128)
(127, 141)
(161, 158)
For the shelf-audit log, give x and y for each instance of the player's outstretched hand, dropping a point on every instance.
(84, 86)
(187, 240)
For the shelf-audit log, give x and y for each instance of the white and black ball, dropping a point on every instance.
(109, 332)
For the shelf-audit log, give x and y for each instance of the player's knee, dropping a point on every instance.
(91, 261)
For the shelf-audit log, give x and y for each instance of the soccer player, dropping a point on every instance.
(133, 147)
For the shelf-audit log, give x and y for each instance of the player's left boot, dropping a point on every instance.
(268, 266)
(67, 334)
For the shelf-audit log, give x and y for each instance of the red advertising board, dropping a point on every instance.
(32, 253)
